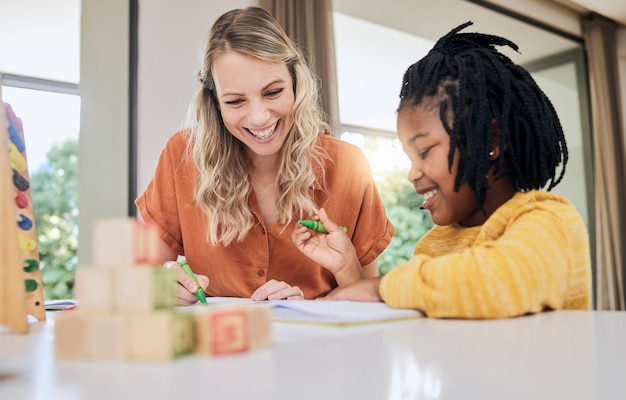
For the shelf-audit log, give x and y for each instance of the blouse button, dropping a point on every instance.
(260, 272)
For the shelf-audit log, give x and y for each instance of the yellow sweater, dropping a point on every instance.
(531, 255)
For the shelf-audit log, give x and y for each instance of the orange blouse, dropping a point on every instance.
(351, 199)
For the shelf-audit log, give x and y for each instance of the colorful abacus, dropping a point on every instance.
(25, 220)
(21, 291)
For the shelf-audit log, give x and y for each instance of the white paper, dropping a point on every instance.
(338, 312)
(328, 312)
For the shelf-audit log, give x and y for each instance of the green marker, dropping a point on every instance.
(317, 225)
(199, 293)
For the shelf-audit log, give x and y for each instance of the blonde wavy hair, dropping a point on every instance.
(223, 187)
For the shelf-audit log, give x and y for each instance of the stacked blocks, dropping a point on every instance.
(126, 301)
(127, 306)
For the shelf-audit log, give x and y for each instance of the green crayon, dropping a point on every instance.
(317, 225)
(199, 293)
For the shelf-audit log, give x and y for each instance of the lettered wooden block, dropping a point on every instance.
(160, 335)
(107, 336)
(123, 242)
(93, 288)
(232, 330)
(144, 289)
(80, 334)
(71, 334)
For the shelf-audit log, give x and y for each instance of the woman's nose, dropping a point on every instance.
(259, 113)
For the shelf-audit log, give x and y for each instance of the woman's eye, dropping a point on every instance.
(275, 93)
(233, 102)
(422, 154)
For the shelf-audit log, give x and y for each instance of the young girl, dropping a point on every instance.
(482, 139)
(228, 192)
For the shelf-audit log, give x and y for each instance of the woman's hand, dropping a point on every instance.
(277, 290)
(333, 250)
(186, 286)
(362, 290)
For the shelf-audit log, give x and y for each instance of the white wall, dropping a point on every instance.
(171, 38)
(103, 140)
(547, 12)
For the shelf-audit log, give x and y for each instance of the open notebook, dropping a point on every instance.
(324, 312)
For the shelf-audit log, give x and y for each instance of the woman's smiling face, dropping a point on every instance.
(427, 144)
(256, 100)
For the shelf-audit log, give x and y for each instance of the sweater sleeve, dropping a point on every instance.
(525, 270)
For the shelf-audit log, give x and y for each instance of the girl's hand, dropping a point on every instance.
(275, 290)
(186, 286)
(333, 250)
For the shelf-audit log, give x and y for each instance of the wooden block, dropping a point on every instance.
(107, 336)
(93, 288)
(121, 242)
(144, 289)
(232, 330)
(160, 335)
(80, 334)
(70, 334)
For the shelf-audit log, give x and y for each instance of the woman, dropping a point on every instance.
(228, 193)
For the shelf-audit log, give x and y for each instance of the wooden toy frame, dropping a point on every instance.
(21, 290)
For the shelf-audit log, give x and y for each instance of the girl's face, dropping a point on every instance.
(256, 100)
(427, 144)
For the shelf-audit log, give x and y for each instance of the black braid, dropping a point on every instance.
(473, 84)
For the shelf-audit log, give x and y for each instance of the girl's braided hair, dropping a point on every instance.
(474, 86)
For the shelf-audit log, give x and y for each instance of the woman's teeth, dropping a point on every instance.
(264, 134)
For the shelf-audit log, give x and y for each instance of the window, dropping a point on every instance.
(375, 46)
(390, 168)
(39, 43)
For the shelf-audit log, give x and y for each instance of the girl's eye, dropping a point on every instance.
(275, 93)
(424, 153)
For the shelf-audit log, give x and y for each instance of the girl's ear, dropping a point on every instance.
(494, 153)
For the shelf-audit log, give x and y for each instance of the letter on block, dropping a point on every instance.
(120, 242)
(231, 330)
(160, 335)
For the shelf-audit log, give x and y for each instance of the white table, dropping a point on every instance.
(557, 355)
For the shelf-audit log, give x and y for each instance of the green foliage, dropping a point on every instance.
(402, 205)
(54, 193)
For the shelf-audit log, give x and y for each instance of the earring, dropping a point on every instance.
(491, 153)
